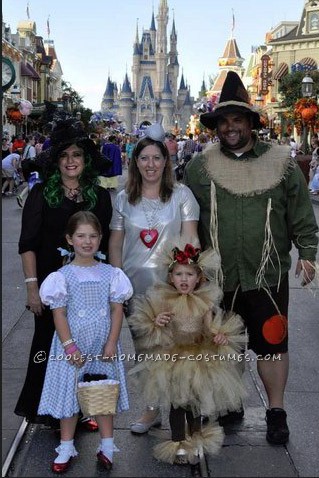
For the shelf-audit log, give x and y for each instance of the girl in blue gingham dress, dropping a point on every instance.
(87, 301)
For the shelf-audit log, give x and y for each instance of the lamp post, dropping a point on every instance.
(306, 91)
(277, 128)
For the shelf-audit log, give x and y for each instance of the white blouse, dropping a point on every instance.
(54, 287)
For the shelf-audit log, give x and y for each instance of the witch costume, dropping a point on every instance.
(42, 232)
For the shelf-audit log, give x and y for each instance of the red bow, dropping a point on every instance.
(189, 255)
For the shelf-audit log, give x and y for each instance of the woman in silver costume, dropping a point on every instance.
(151, 210)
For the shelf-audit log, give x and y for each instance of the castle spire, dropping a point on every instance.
(153, 28)
(182, 83)
(136, 46)
(126, 87)
(161, 46)
(173, 34)
(109, 88)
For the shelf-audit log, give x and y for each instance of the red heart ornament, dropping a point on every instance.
(149, 237)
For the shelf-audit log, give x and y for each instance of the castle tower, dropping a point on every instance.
(167, 106)
(126, 104)
(161, 47)
(230, 61)
(108, 97)
(153, 32)
(182, 93)
(186, 110)
(136, 60)
(173, 66)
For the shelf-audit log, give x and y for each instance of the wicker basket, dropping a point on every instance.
(100, 399)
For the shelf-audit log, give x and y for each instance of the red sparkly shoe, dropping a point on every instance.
(105, 462)
(88, 424)
(64, 458)
(61, 467)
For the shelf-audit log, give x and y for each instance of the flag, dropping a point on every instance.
(28, 11)
(48, 26)
(233, 24)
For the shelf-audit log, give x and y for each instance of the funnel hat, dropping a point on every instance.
(234, 98)
(155, 132)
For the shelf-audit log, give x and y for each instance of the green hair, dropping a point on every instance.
(88, 181)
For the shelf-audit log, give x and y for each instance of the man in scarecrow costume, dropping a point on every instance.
(254, 204)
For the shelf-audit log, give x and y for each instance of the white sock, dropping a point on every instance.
(65, 451)
(107, 447)
(67, 442)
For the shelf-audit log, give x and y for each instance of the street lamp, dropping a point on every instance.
(307, 87)
(306, 91)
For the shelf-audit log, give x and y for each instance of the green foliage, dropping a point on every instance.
(290, 86)
(76, 103)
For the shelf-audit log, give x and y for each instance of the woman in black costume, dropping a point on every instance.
(69, 170)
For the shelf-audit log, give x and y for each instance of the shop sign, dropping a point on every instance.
(264, 74)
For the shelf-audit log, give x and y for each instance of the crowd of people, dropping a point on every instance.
(195, 255)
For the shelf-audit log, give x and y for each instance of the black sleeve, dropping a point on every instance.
(103, 211)
(32, 217)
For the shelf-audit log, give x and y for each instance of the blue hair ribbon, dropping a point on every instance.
(65, 252)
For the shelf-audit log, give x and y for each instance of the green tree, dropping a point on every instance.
(71, 98)
(290, 86)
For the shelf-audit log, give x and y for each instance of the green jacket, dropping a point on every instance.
(242, 216)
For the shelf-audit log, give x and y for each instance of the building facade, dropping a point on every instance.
(37, 75)
(289, 47)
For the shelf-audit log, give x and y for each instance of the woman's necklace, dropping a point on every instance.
(149, 236)
(75, 194)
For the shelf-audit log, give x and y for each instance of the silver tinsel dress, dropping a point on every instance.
(140, 262)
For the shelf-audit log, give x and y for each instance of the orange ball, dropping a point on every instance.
(275, 329)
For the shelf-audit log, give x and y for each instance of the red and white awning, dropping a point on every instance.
(310, 62)
(281, 71)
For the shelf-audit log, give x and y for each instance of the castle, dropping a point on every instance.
(153, 96)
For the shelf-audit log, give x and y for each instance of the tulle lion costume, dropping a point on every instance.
(182, 365)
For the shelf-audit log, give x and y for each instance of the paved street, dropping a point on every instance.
(245, 451)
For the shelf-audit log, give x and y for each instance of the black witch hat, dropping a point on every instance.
(66, 132)
(233, 98)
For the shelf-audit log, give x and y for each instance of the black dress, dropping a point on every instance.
(43, 230)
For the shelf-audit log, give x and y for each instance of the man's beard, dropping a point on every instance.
(241, 143)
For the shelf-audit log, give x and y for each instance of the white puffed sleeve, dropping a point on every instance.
(53, 290)
(121, 287)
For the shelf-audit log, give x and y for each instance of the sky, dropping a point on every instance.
(94, 38)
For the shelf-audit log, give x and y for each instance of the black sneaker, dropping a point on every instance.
(277, 428)
(231, 417)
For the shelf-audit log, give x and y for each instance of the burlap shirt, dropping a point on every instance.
(242, 214)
